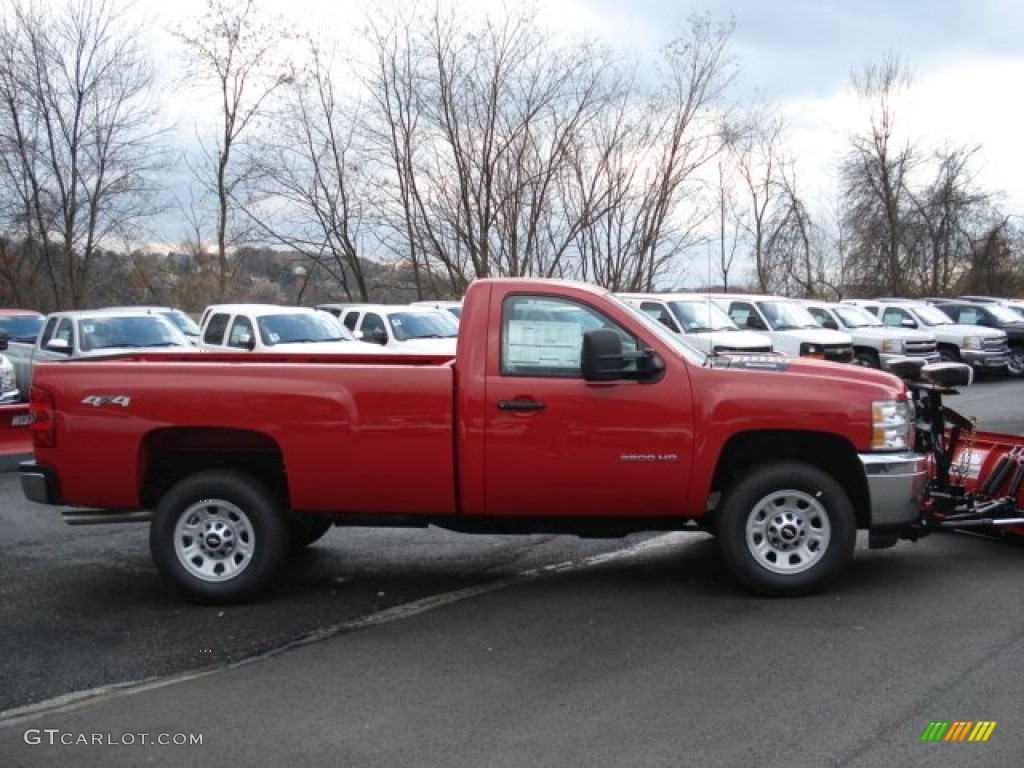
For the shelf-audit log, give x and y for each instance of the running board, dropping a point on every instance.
(102, 516)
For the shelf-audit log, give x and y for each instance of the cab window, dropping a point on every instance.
(543, 336)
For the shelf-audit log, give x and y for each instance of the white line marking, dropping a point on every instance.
(78, 699)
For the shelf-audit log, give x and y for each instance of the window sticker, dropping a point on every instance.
(544, 344)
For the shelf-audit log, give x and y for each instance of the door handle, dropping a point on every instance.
(521, 405)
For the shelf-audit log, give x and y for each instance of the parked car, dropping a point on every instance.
(18, 331)
(418, 330)
(699, 321)
(788, 324)
(992, 315)
(93, 333)
(270, 327)
(985, 349)
(875, 345)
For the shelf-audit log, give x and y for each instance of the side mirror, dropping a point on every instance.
(376, 336)
(4, 338)
(61, 346)
(601, 357)
(247, 341)
(908, 323)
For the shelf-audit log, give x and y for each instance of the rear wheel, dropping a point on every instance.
(219, 536)
(786, 529)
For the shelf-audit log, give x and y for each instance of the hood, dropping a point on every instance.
(817, 335)
(958, 329)
(789, 366)
(738, 339)
(891, 332)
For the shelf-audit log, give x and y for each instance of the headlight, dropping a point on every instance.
(892, 424)
(893, 346)
(972, 342)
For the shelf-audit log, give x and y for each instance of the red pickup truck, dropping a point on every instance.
(564, 410)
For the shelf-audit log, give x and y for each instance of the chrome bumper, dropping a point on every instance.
(896, 486)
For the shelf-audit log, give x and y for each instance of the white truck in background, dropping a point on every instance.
(875, 345)
(790, 326)
(699, 321)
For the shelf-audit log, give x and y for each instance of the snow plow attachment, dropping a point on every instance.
(977, 478)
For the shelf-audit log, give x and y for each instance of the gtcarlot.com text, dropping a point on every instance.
(55, 736)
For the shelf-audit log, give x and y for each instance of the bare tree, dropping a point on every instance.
(78, 149)
(314, 191)
(876, 176)
(237, 52)
(949, 215)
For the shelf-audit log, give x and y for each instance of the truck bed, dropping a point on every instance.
(343, 428)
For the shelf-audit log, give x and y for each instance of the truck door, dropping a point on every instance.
(556, 445)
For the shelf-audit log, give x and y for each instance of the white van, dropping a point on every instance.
(790, 326)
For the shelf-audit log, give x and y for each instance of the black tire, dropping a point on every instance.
(866, 358)
(304, 530)
(219, 536)
(1015, 367)
(786, 529)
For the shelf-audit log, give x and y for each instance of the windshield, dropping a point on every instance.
(855, 317)
(182, 322)
(930, 315)
(423, 325)
(786, 315)
(21, 327)
(129, 331)
(701, 316)
(301, 328)
(1003, 314)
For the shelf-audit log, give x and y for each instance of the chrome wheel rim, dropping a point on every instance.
(788, 532)
(214, 540)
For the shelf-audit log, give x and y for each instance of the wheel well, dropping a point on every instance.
(168, 455)
(830, 453)
(870, 351)
(949, 348)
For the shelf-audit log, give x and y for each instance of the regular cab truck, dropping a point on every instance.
(564, 410)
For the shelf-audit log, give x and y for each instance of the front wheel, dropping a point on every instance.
(786, 529)
(219, 536)
(1015, 366)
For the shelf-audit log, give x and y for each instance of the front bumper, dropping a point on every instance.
(885, 358)
(987, 360)
(896, 487)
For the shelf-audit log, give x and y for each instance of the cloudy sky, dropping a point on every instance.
(966, 59)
